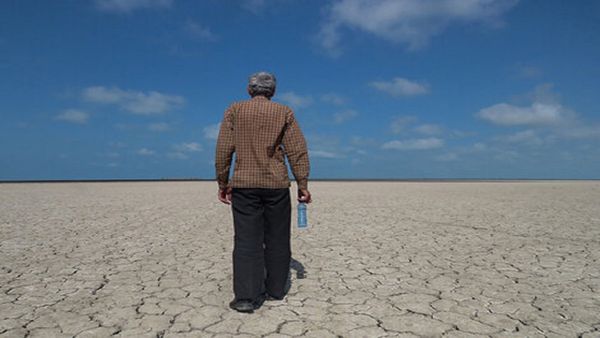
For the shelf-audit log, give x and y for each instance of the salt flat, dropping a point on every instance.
(403, 259)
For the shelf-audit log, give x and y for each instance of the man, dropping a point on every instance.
(260, 133)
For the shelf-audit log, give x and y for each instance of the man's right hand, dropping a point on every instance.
(225, 195)
(304, 196)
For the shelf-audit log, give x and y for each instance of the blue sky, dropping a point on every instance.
(95, 89)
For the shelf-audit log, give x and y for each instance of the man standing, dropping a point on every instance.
(260, 133)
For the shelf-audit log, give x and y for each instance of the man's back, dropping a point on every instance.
(261, 132)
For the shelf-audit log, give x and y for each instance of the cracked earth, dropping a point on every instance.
(404, 259)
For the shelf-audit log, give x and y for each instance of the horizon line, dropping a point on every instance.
(193, 179)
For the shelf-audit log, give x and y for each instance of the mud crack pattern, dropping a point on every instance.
(153, 259)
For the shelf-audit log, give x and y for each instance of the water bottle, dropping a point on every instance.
(302, 219)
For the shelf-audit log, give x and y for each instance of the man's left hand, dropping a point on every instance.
(225, 195)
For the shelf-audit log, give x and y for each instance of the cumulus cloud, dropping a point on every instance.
(294, 100)
(479, 146)
(181, 151)
(159, 126)
(324, 154)
(428, 129)
(145, 152)
(188, 147)
(400, 123)
(117, 144)
(546, 119)
(506, 155)
(254, 6)
(528, 71)
(400, 87)
(344, 116)
(211, 132)
(112, 154)
(537, 114)
(333, 99)
(529, 136)
(362, 141)
(544, 110)
(198, 31)
(178, 155)
(447, 157)
(126, 6)
(414, 144)
(73, 116)
(581, 131)
(465, 151)
(135, 102)
(408, 22)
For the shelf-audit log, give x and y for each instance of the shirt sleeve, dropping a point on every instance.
(225, 149)
(296, 151)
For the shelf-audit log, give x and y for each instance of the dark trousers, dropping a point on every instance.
(261, 253)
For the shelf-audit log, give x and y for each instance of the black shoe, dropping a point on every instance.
(242, 305)
(268, 297)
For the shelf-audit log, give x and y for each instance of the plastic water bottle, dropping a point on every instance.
(302, 219)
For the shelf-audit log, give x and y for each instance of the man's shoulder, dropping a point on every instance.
(234, 105)
(280, 106)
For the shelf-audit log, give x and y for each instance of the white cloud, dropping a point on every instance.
(546, 117)
(124, 126)
(324, 154)
(362, 141)
(188, 147)
(528, 71)
(181, 151)
(580, 131)
(414, 144)
(463, 133)
(400, 87)
(479, 146)
(73, 116)
(448, 157)
(506, 155)
(198, 31)
(146, 152)
(159, 126)
(333, 99)
(178, 155)
(254, 6)
(344, 116)
(295, 101)
(537, 114)
(117, 144)
(524, 137)
(428, 129)
(211, 132)
(409, 22)
(329, 38)
(465, 151)
(400, 123)
(125, 6)
(133, 101)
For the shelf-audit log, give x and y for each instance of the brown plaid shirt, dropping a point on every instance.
(260, 132)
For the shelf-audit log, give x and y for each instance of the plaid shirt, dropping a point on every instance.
(260, 132)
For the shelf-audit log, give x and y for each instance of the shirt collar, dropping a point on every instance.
(260, 97)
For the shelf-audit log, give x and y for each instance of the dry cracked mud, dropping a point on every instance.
(402, 259)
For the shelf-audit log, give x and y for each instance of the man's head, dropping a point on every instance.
(262, 83)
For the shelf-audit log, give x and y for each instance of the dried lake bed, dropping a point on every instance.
(398, 259)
